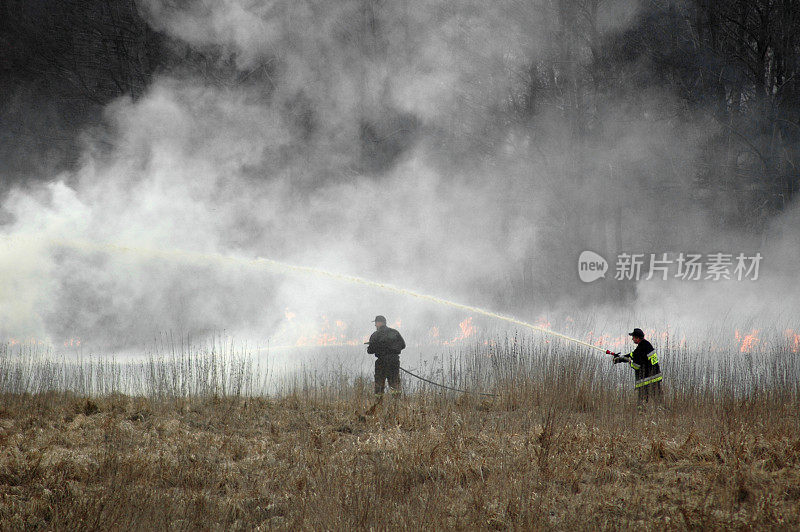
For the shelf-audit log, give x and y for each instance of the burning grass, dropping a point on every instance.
(563, 446)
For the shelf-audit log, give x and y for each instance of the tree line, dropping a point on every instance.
(734, 62)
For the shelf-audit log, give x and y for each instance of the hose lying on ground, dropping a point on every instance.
(446, 387)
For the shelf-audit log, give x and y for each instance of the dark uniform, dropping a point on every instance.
(644, 361)
(386, 344)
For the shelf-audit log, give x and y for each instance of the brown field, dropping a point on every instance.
(528, 459)
(201, 445)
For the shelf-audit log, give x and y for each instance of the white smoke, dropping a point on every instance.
(274, 166)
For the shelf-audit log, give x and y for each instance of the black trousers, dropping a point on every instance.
(387, 367)
(652, 391)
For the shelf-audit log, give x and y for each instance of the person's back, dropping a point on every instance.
(386, 344)
(385, 341)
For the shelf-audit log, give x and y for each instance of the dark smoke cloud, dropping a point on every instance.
(380, 152)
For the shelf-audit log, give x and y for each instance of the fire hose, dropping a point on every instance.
(485, 394)
(371, 410)
(440, 385)
(445, 386)
(467, 391)
(618, 357)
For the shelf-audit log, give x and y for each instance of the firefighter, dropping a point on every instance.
(386, 344)
(644, 361)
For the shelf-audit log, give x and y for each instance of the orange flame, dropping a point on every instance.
(328, 335)
(746, 341)
(30, 341)
(467, 330)
(794, 340)
(466, 326)
(606, 340)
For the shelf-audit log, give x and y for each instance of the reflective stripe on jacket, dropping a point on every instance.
(644, 361)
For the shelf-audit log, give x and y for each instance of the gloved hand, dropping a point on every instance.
(620, 360)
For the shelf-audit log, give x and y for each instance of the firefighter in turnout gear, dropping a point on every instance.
(386, 344)
(644, 361)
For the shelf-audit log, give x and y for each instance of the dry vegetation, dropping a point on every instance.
(564, 450)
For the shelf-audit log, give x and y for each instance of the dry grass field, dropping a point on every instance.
(562, 450)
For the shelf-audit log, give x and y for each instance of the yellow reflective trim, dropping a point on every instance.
(648, 381)
(633, 364)
(653, 358)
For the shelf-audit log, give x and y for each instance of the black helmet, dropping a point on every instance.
(637, 332)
